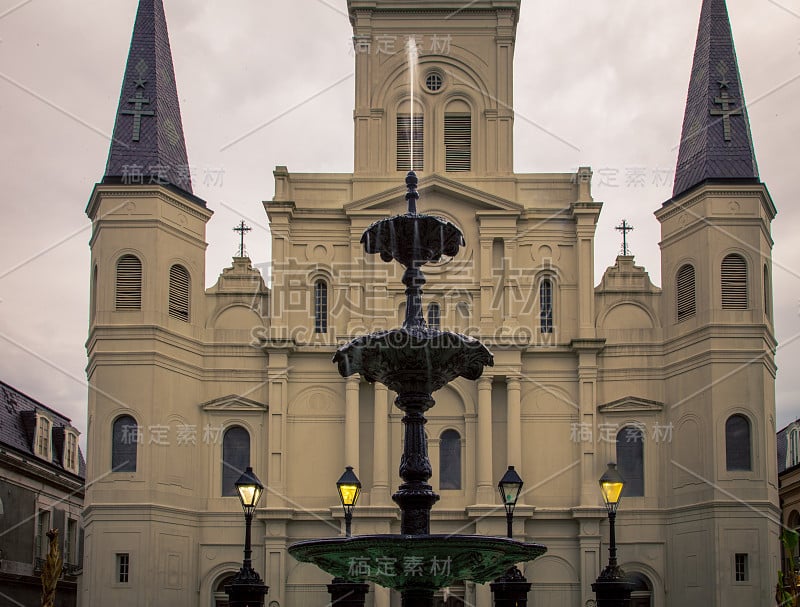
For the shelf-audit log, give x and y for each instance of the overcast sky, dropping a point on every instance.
(598, 82)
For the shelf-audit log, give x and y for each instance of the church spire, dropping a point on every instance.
(148, 145)
(715, 143)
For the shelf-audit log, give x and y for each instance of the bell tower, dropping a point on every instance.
(719, 337)
(463, 86)
(146, 321)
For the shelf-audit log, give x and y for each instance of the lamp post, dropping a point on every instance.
(510, 590)
(612, 588)
(349, 488)
(510, 486)
(247, 589)
(344, 593)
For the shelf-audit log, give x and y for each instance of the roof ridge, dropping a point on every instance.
(37, 402)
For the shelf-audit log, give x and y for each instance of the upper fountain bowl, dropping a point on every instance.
(411, 238)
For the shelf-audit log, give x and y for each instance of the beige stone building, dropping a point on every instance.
(675, 383)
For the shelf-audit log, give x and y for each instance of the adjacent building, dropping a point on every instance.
(42, 473)
(788, 441)
(674, 383)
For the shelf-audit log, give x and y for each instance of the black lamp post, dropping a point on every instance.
(247, 589)
(344, 593)
(510, 590)
(612, 588)
(510, 486)
(349, 488)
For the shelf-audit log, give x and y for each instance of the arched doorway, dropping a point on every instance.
(642, 594)
(219, 598)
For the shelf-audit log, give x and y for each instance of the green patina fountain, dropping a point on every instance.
(414, 361)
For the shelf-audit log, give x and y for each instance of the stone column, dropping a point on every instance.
(351, 423)
(514, 424)
(380, 449)
(483, 455)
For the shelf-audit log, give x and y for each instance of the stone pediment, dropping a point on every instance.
(435, 184)
(630, 404)
(233, 402)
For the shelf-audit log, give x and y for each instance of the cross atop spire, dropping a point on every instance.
(715, 143)
(148, 146)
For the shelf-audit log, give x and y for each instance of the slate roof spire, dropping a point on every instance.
(715, 143)
(148, 145)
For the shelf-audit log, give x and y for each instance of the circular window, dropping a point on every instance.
(434, 82)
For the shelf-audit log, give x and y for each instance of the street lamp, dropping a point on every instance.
(344, 593)
(611, 588)
(510, 487)
(349, 488)
(246, 588)
(511, 589)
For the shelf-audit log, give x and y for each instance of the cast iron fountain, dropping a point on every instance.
(414, 361)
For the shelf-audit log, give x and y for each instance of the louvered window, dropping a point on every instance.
(686, 305)
(404, 143)
(546, 306)
(320, 307)
(179, 293)
(129, 283)
(458, 142)
(734, 283)
(434, 317)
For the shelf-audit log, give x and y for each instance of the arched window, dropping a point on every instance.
(93, 295)
(434, 317)
(737, 443)
(320, 307)
(767, 294)
(686, 295)
(235, 458)
(129, 283)
(630, 460)
(734, 283)
(450, 460)
(404, 145)
(179, 289)
(125, 440)
(794, 448)
(546, 306)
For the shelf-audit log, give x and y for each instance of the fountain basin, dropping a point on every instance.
(416, 561)
(413, 359)
(412, 239)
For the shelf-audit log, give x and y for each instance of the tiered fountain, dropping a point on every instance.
(414, 361)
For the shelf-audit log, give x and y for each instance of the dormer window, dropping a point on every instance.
(71, 452)
(44, 430)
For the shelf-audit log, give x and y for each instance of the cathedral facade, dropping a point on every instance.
(674, 383)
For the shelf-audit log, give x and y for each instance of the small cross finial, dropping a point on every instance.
(625, 227)
(242, 229)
